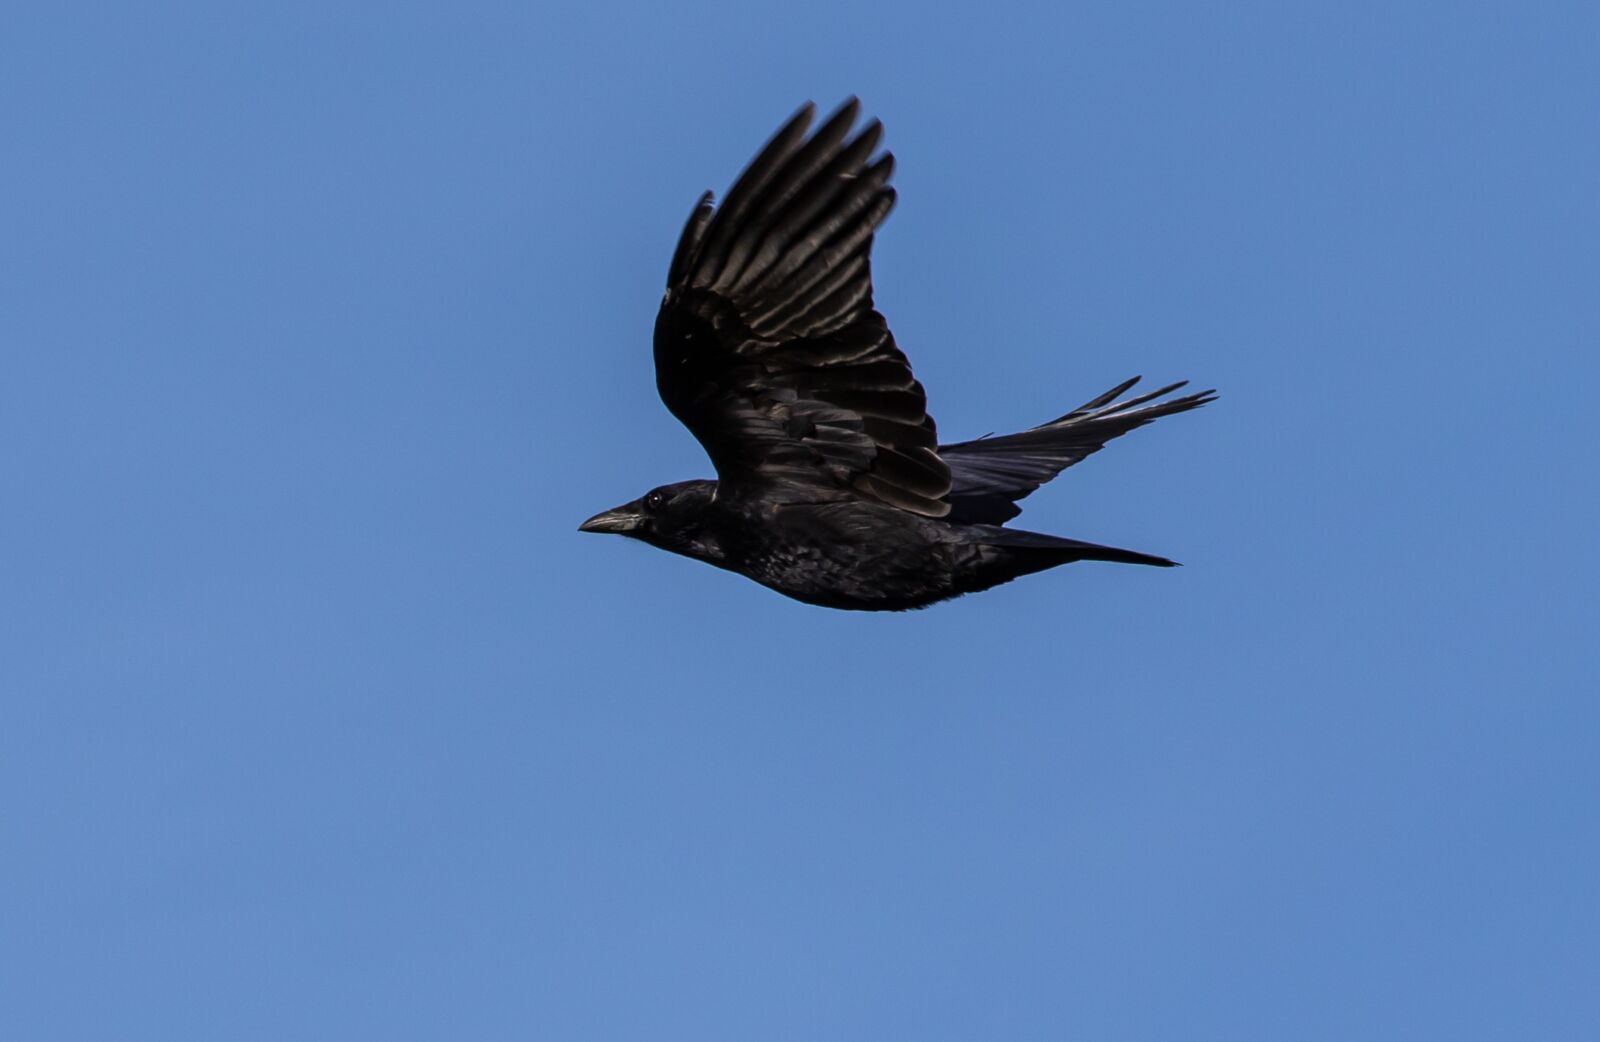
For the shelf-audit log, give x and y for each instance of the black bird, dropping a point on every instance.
(832, 487)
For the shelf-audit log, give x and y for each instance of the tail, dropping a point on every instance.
(989, 475)
(997, 555)
(1051, 550)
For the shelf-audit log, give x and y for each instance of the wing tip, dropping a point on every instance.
(802, 115)
(850, 104)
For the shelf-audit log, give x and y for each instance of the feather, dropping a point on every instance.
(989, 475)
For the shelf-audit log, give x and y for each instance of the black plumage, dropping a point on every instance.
(831, 484)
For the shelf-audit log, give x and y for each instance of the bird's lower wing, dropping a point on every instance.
(989, 475)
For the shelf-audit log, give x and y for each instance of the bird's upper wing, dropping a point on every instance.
(990, 474)
(767, 345)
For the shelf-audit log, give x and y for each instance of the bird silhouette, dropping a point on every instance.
(832, 487)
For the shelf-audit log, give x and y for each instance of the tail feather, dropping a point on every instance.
(1053, 549)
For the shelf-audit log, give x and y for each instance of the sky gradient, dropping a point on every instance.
(323, 326)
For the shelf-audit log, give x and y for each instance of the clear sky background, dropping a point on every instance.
(323, 326)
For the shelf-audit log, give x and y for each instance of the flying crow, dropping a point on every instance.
(832, 487)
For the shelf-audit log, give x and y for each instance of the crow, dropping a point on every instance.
(832, 487)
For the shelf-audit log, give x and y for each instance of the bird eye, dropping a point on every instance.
(654, 500)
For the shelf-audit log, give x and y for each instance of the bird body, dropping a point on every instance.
(831, 485)
(843, 553)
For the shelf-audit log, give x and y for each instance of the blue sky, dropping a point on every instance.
(324, 326)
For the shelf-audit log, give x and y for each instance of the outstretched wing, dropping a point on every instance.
(767, 345)
(990, 474)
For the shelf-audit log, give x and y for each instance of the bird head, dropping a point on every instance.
(670, 517)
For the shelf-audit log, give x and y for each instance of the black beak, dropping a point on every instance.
(620, 521)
